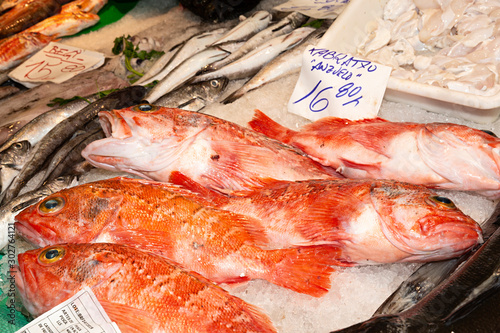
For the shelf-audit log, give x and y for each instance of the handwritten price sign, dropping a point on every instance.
(320, 9)
(338, 84)
(56, 63)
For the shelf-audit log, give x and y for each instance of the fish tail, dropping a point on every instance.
(305, 270)
(265, 125)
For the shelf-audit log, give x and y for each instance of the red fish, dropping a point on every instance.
(152, 141)
(165, 219)
(65, 24)
(438, 155)
(370, 221)
(140, 291)
(16, 49)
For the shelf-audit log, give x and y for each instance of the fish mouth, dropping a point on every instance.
(443, 241)
(114, 125)
(29, 233)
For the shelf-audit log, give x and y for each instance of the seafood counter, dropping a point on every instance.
(173, 182)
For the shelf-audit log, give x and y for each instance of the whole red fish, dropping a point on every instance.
(140, 291)
(152, 141)
(370, 221)
(438, 155)
(17, 48)
(162, 218)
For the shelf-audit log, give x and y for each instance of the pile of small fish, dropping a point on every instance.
(217, 202)
(27, 26)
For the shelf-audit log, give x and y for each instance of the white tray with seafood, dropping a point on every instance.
(482, 105)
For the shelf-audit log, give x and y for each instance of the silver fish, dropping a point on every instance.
(9, 210)
(192, 46)
(194, 97)
(253, 61)
(284, 26)
(36, 129)
(12, 160)
(65, 129)
(287, 63)
(251, 25)
(7, 91)
(185, 71)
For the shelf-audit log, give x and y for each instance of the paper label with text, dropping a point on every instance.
(81, 313)
(335, 84)
(318, 9)
(56, 63)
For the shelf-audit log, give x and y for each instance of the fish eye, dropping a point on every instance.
(442, 201)
(145, 108)
(214, 83)
(51, 205)
(51, 254)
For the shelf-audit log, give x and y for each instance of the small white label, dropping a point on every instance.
(81, 313)
(319, 9)
(56, 63)
(334, 84)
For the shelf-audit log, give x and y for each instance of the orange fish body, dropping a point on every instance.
(65, 24)
(214, 152)
(140, 291)
(17, 48)
(438, 155)
(220, 245)
(84, 6)
(370, 221)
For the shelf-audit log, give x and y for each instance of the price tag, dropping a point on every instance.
(339, 85)
(56, 63)
(81, 313)
(319, 9)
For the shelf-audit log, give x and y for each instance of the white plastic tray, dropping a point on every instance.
(348, 31)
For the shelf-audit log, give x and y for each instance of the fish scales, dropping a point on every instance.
(140, 291)
(370, 221)
(215, 152)
(167, 220)
(439, 155)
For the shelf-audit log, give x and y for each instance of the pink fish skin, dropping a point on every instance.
(438, 155)
(214, 152)
(140, 291)
(19, 47)
(370, 221)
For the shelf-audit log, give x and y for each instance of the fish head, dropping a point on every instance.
(143, 138)
(48, 276)
(77, 215)
(421, 223)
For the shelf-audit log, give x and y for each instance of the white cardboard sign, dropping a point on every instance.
(335, 84)
(56, 63)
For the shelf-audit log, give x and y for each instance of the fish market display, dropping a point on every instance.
(65, 129)
(218, 244)
(152, 141)
(17, 48)
(27, 13)
(450, 44)
(438, 155)
(370, 221)
(140, 291)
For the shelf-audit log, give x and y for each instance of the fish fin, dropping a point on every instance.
(325, 125)
(305, 270)
(371, 168)
(265, 125)
(129, 319)
(153, 241)
(213, 197)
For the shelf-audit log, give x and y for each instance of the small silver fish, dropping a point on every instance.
(251, 25)
(12, 160)
(196, 96)
(185, 71)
